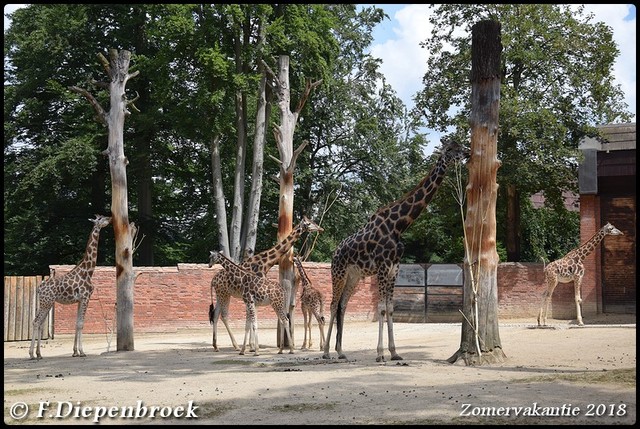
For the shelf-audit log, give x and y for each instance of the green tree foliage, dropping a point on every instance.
(557, 85)
(56, 176)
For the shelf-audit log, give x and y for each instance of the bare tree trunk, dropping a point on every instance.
(480, 341)
(218, 197)
(284, 139)
(238, 184)
(253, 208)
(117, 68)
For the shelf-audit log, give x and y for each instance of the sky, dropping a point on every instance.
(397, 43)
(404, 62)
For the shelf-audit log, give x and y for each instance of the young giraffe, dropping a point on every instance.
(259, 264)
(75, 286)
(571, 268)
(256, 290)
(375, 250)
(311, 303)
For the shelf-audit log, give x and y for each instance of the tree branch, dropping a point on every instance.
(105, 64)
(307, 90)
(102, 115)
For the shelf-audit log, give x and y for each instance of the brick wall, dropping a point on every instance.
(171, 298)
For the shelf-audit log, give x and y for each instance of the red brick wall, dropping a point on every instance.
(171, 298)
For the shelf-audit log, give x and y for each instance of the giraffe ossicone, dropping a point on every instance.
(73, 287)
(260, 264)
(570, 268)
(375, 250)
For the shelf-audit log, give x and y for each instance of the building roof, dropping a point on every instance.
(614, 137)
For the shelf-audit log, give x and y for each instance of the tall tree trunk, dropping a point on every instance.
(284, 139)
(218, 196)
(117, 68)
(480, 341)
(250, 230)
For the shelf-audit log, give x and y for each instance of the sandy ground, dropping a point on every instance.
(583, 375)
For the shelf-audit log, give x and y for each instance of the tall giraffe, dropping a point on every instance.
(256, 290)
(570, 268)
(311, 303)
(75, 286)
(259, 264)
(375, 250)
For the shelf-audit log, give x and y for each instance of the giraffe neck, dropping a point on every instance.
(88, 262)
(400, 214)
(263, 261)
(304, 280)
(584, 250)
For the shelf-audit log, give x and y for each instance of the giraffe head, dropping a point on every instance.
(101, 221)
(611, 230)
(214, 258)
(452, 151)
(308, 225)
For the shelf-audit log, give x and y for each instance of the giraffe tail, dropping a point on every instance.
(211, 312)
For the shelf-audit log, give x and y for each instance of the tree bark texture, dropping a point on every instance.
(117, 68)
(284, 139)
(124, 232)
(218, 197)
(481, 261)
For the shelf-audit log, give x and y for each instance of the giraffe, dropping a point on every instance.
(571, 268)
(75, 286)
(259, 264)
(311, 303)
(375, 250)
(256, 290)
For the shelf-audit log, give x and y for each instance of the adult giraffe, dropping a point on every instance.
(375, 250)
(570, 268)
(75, 286)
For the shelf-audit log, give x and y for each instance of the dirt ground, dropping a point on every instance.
(564, 375)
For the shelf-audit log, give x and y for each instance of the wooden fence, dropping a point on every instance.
(20, 305)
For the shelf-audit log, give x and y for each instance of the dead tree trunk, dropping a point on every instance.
(117, 68)
(284, 139)
(480, 342)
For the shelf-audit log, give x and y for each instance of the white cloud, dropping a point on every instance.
(404, 61)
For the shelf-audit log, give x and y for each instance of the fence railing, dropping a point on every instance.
(20, 305)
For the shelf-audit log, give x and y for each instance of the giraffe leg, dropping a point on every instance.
(577, 282)
(392, 342)
(253, 333)
(247, 328)
(350, 285)
(308, 327)
(342, 308)
(552, 282)
(382, 314)
(77, 342)
(320, 320)
(327, 343)
(304, 342)
(225, 319)
(38, 325)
